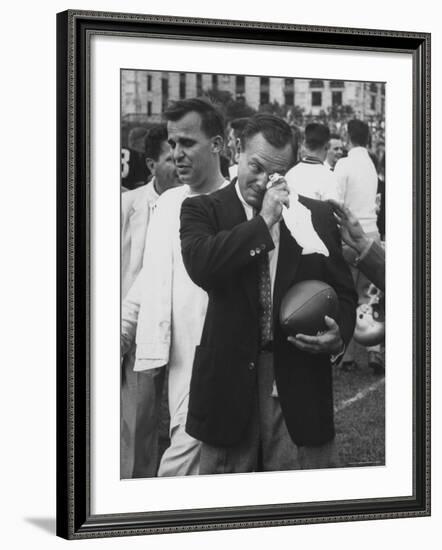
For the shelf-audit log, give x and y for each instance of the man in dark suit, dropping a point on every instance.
(260, 401)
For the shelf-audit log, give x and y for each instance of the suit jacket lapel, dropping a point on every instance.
(231, 213)
(288, 262)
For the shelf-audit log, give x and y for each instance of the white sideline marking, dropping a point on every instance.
(360, 395)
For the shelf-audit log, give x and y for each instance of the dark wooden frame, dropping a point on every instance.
(74, 519)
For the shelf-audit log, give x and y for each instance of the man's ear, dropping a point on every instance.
(217, 144)
(150, 163)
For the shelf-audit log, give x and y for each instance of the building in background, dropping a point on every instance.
(145, 94)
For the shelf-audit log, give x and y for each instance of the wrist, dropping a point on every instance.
(268, 220)
(363, 251)
(362, 244)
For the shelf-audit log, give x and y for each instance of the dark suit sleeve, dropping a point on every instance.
(372, 265)
(338, 274)
(211, 255)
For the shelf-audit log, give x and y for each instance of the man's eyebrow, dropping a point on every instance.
(180, 139)
(256, 160)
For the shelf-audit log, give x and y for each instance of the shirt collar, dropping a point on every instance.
(311, 159)
(151, 188)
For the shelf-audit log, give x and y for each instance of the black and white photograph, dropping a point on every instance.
(243, 273)
(253, 246)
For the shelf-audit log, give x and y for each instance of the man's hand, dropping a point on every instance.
(275, 197)
(329, 341)
(351, 230)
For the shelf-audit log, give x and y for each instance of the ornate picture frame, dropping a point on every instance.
(75, 517)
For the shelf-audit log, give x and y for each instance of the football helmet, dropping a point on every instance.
(370, 319)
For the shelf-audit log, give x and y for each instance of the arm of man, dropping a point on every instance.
(371, 260)
(211, 255)
(372, 264)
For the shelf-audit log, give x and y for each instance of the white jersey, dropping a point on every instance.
(312, 180)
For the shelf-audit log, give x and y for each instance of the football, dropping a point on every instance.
(304, 306)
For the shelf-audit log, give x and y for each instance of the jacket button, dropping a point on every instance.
(258, 250)
(252, 252)
(251, 365)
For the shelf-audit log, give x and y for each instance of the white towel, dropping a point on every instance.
(298, 220)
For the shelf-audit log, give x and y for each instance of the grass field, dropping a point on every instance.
(359, 398)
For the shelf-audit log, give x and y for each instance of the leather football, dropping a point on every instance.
(304, 306)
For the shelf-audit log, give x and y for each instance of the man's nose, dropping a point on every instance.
(177, 152)
(263, 180)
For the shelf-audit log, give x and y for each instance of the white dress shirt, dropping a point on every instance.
(274, 232)
(357, 186)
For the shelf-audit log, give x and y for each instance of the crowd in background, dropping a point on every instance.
(135, 172)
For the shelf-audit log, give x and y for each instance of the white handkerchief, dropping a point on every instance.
(298, 220)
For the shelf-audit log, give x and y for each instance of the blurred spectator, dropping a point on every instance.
(224, 164)
(234, 129)
(335, 151)
(134, 171)
(139, 409)
(357, 184)
(381, 194)
(310, 177)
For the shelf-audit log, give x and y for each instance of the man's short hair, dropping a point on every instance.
(238, 125)
(334, 136)
(316, 136)
(274, 129)
(135, 134)
(358, 132)
(212, 120)
(154, 140)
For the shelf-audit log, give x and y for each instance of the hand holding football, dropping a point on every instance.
(304, 307)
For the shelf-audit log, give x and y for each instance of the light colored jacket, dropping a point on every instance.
(136, 211)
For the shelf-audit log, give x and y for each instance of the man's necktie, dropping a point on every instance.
(265, 300)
